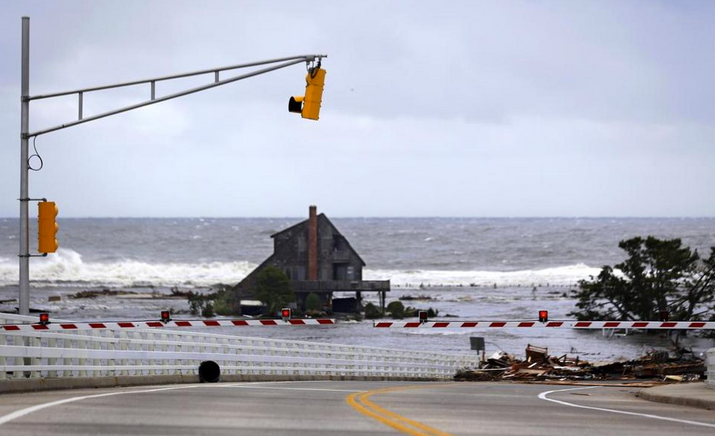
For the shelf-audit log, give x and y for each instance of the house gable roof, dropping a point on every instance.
(320, 216)
(295, 226)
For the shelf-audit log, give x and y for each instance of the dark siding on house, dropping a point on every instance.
(337, 260)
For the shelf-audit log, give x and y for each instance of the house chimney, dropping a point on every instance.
(313, 243)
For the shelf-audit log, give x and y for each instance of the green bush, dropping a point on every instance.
(274, 289)
(208, 311)
(313, 303)
(396, 309)
(372, 312)
(222, 302)
(222, 306)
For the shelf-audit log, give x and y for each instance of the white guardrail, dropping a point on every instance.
(711, 368)
(90, 353)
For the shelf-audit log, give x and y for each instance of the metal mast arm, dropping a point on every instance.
(80, 92)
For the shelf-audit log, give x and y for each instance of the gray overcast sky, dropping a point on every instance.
(508, 108)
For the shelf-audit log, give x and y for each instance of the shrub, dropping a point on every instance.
(372, 312)
(274, 289)
(396, 309)
(208, 310)
(313, 303)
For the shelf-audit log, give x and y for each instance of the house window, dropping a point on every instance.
(351, 272)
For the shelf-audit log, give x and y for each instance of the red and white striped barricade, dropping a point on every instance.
(569, 324)
(120, 325)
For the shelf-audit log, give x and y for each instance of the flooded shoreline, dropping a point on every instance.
(464, 303)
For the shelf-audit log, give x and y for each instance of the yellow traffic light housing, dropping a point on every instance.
(47, 227)
(309, 105)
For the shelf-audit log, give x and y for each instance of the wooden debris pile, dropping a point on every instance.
(539, 365)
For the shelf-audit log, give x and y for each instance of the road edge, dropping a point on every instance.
(653, 394)
(68, 383)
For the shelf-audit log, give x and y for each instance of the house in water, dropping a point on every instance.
(318, 259)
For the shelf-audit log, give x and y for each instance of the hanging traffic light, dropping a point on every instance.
(309, 105)
(47, 227)
(543, 316)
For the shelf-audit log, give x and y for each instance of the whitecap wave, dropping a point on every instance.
(557, 276)
(67, 267)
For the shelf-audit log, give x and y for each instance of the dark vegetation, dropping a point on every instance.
(274, 289)
(313, 303)
(220, 302)
(657, 276)
(396, 310)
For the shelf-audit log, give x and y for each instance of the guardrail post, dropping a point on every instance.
(164, 347)
(67, 361)
(123, 338)
(711, 368)
(151, 347)
(35, 342)
(111, 346)
(82, 342)
(95, 345)
(52, 343)
(3, 359)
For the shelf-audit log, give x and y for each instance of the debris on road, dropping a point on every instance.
(540, 366)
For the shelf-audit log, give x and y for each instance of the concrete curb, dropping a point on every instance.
(661, 395)
(46, 384)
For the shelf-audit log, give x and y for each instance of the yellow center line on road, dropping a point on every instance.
(361, 402)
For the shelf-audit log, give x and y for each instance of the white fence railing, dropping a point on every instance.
(711, 368)
(38, 354)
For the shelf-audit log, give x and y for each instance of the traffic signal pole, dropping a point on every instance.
(24, 255)
(26, 135)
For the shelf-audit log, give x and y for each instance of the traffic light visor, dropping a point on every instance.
(295, 104)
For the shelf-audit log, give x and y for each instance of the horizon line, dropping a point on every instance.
(392, 217)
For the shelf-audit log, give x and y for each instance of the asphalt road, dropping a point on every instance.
(348, 408)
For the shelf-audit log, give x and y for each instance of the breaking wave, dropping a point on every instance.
(67, 268)
(557, 276)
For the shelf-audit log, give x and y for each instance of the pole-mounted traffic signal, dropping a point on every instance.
(47, 227)
(309, 105)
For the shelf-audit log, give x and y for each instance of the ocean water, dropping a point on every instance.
(409, 251)
(473, 268)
